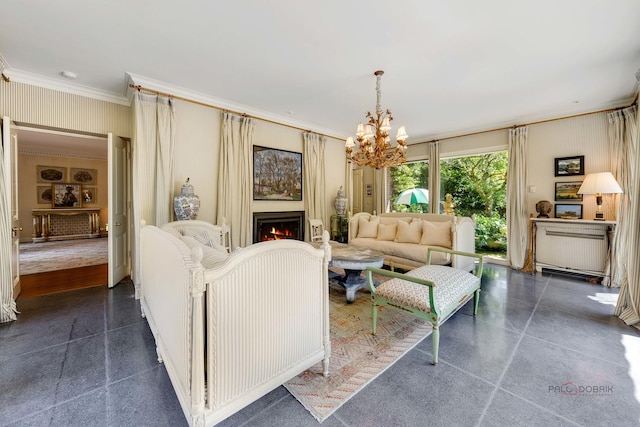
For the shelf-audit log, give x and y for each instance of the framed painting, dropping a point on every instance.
(51, 173)
(568, 211)
(67, 195)
(83, 176)
(277, 174)
(568, 191)
(568, 166)
(44, 194)
(89, 195)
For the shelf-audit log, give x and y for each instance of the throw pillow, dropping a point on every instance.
(436, 234)
(387, 232)
(368, 228)
(409, 233)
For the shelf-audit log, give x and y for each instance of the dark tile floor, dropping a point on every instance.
(87, 358)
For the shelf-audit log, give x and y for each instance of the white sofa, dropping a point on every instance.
(404, 238)
(231, 332)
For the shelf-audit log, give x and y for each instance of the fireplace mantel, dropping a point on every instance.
(64, 224)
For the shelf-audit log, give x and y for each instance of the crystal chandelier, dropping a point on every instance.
(377, 153)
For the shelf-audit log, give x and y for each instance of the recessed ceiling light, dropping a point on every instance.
(69, 75)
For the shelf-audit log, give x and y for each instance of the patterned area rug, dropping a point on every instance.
(357, 356)
(51, 256)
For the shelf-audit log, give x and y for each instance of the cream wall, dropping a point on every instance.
(28, 198)
(583, 135)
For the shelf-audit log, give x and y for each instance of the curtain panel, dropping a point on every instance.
(235, 176)
(434, 177)
(152, 160)
(7, 304)
(517, 217)
(313, 185)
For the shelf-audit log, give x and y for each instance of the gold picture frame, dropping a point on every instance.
(89, 195)
(51, 174)
(44, 194)
(83, 176)
(66, 195)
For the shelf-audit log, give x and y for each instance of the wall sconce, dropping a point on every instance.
(600, 183)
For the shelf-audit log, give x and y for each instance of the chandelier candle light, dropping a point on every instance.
(379, 153)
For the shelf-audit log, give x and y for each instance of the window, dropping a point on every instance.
(405, 177)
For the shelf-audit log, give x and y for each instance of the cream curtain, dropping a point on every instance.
(152, 160)
(348, 185)
(235, 174)
(7, 304)
(313, 171)
(434, 177)
(624, 132)
(517, 218)
(380, 185)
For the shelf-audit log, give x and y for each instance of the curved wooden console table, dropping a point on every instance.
(65, 224)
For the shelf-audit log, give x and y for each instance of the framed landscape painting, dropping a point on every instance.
(277, 174)
(568, 166)
(568, 211)
(568, 191)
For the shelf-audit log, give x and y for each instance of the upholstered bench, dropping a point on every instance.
(430, 292)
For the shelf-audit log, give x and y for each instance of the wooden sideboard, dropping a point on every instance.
(577, 246)
(65, 224)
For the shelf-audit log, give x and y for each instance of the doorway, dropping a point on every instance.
(47, 157)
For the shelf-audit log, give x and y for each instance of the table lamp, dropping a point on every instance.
(600, 183)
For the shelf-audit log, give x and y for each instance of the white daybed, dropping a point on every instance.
(230, 333)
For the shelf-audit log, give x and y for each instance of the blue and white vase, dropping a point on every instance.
(186, 204)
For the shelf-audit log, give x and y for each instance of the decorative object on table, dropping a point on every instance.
(277, 174)
(340, 203)
(600, 183)
(412, 196)
(83, 176)
(543, 207)
(44, 194)
(379, 153)
(568, 166)
(66, 195)
(568, 191)
(448, 204)
(186, 204)
(52, 174)
(89, 195)
(568, 211)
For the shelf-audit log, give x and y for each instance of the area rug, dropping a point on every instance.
(61, 255)
(357, 356)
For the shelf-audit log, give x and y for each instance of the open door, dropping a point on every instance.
(10, 147)
(118, 224)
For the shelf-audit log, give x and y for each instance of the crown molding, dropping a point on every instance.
(46, 153)
(223, 104)
(63, 86)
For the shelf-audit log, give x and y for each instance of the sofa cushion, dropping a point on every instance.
(387, 232)
(409, 232)
(368, 228)
(436, 234)
(394, 219)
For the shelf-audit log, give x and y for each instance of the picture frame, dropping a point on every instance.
(50, 174)
(368, 190)
(89, 195)
(568, 191)
(277, 174)
(83, 176)
(44, 194)
(66, 195)
(569, 166)
(568, 211)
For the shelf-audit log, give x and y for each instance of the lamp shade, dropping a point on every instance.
(600, 183)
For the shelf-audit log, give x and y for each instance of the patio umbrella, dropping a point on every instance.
(412, 197)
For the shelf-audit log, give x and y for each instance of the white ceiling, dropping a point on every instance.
(451, 67)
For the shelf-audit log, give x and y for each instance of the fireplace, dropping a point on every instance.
(278, 225)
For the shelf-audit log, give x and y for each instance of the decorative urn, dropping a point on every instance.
(340, 203)
(186, 204)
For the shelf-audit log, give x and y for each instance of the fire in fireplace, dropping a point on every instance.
(278, 225)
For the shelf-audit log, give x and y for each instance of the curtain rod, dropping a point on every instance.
(142, 88)
(515, 126)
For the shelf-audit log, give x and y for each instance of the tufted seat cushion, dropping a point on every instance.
(452, 285)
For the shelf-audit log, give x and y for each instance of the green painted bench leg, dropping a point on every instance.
(435, 337)
(374, 317)
(476, 300)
